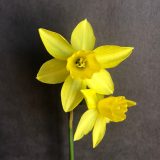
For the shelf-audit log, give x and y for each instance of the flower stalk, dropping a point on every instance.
(71, 142)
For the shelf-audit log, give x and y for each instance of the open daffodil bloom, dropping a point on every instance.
(100, 112)
(78, 65)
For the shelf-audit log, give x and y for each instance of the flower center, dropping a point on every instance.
(81, 62)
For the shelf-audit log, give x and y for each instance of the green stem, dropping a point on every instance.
(71, 143)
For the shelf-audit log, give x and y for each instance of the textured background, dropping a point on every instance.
(32, 123)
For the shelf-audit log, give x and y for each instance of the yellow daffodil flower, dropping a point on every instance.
(78, 65)
(100, 112)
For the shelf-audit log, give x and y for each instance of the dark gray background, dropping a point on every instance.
(33, 125)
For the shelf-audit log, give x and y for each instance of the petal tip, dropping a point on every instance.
(37, 77)
(109, 91)
(40, 30)
(131, 48)
(131, 103)
(134, 103)
(94, 145)
(85, 20)
(66, 109)
(76, 137)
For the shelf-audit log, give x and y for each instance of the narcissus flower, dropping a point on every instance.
(78, 65)
(100, 112)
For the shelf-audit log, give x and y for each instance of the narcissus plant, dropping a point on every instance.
(100, 112)
(78, 64)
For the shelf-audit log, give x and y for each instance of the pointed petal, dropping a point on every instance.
(85, 124)
(53, 71)
(99, 130)
(90, 98)
(82, 37)
(55, 44)
(70, 93)
(101, 82)
(110, 56)
(130, 103)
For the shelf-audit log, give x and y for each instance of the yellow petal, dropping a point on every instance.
(101, 82)
(70, 93)
(55, 44)
(53, 71)
(90, 98)
(130, 103)
(110, 56)
(99, 130)
(85, 124)
(82, 37)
